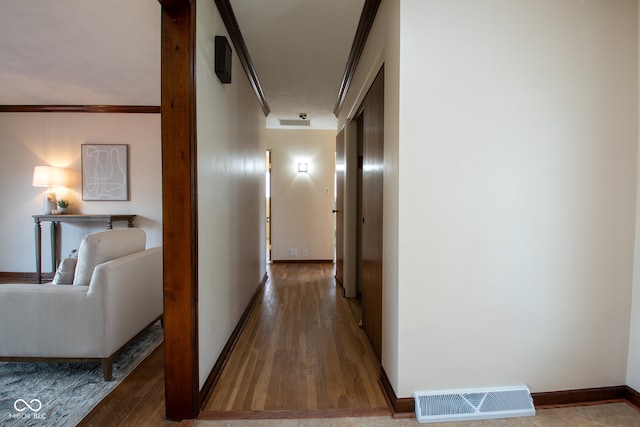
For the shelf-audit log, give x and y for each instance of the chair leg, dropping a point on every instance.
(107, 368)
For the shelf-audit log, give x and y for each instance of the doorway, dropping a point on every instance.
(268, 206)
(338, 210)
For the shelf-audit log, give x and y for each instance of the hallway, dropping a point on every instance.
(301, 351)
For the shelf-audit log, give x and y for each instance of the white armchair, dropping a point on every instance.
(86, 322)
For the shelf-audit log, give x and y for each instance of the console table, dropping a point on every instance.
(55, 222)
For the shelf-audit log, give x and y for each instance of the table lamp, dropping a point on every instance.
(50, 177)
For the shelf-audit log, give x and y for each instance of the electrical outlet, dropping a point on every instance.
(293, 252)
(305, 252)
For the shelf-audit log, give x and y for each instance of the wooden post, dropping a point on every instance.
(179, 209)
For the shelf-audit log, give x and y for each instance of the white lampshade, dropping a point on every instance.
(48, 176)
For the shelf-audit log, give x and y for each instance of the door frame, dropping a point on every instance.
(268, 210)
(370, 129)
(350, 214)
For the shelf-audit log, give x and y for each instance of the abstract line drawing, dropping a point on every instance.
(105, 174)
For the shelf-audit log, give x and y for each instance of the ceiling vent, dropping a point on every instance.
(477, 404)
(295, 122)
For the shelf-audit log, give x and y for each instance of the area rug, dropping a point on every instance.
(62, 394)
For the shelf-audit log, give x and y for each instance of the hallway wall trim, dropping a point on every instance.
(214, 375)
(231, 24)
(404, 407)
(369, 11)
(581, 396)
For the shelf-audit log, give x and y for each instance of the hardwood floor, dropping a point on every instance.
(300, 355)
(137, 401)
(301, 352)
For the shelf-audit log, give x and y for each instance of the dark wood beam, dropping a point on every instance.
(175, 4)
(153, 109)
(231, 24)
(367, 17)
(179, 210)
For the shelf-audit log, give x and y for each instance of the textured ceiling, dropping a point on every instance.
(299, 49)
(79, 52)
(82, 52)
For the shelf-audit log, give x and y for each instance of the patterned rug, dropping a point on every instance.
(62, 394)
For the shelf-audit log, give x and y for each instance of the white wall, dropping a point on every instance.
(633, 368)
(518, 154)
(510, 188)
(231, 193)
(301, 203)
(32, 139)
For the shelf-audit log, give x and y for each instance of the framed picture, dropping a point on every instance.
(105, 172)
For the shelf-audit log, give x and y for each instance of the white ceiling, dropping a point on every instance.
(299, 49)
(80, 52)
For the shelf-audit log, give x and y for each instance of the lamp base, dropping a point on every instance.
(50, 202)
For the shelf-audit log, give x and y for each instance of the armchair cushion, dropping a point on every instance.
(98, 248)
(65, 272)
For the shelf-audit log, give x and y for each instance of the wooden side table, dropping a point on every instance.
(55, 222)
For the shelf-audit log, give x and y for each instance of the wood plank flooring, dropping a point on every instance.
(301, 351)
(300, 355)
(137, 401)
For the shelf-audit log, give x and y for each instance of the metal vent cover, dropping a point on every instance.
(473, 404)
(294, 122)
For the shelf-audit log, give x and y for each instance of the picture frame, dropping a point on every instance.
(105, 172)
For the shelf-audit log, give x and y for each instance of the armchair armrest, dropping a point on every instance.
(48, 320)
(130, 288)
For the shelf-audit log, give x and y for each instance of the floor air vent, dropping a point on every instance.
(477, 404)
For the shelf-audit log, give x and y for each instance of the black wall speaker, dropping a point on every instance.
(223, 59)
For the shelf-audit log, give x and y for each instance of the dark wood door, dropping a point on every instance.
(372, 186)
(339, 208)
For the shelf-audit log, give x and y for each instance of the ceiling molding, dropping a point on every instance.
(151, 109)
(369, 12)
(230, 22)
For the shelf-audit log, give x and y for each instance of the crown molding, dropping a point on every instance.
(138, 109)
(231, 24)
(367, 17)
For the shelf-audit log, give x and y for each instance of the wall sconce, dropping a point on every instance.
(302, 167)
(50, 177)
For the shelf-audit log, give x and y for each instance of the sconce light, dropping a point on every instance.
(50, 177)
(302, 167)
